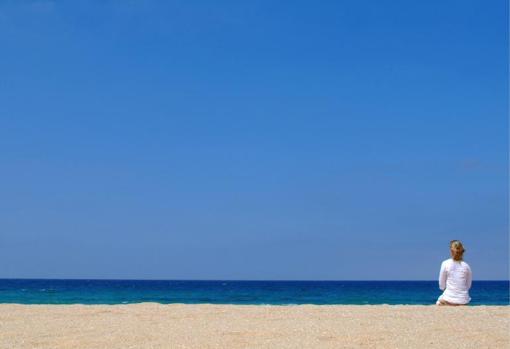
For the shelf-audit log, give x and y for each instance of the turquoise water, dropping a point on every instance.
(239, 292)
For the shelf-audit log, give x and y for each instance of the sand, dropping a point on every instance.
(150, 325)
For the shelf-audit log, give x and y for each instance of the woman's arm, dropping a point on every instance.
(469, 277)
(442, 276)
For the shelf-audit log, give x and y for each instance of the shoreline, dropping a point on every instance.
(156, 325)
(256, 304)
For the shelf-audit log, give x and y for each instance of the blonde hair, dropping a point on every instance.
(458, 249)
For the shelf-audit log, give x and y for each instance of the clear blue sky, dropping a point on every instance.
(252, 139)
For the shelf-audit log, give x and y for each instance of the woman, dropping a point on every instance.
(455, 277)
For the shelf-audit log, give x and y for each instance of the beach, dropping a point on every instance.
(153, 325)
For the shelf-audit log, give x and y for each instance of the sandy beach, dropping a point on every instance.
(151, 325)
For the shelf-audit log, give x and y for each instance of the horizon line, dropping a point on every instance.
(245, 280)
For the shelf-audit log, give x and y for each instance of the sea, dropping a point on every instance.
(32, 291)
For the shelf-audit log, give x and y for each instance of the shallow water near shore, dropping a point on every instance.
(27, 291)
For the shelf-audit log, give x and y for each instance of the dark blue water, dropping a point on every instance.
(240, 292)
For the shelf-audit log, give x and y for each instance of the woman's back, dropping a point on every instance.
(455, 280)
(455, 277)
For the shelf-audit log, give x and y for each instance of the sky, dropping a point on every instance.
(273, 140)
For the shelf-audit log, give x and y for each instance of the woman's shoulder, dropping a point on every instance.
(447, 261)
(465, 264)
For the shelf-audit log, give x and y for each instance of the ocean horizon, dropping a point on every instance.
(249, 292)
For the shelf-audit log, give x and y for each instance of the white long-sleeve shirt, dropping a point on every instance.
(455, 280)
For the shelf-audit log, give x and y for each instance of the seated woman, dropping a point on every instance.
(455, 277)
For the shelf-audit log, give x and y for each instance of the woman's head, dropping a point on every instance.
(457, 250)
